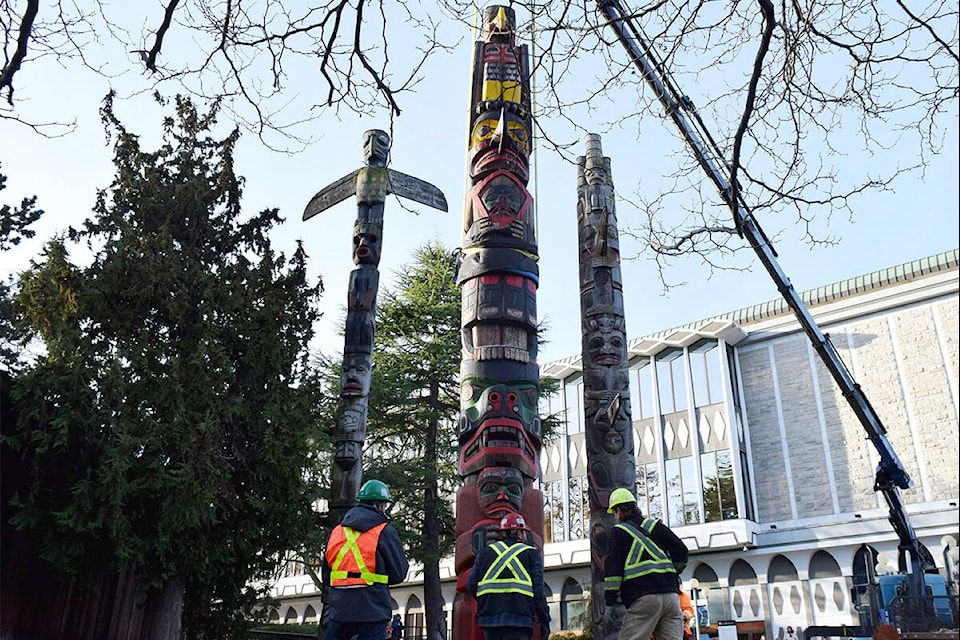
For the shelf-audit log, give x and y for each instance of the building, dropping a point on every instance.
(744, 446)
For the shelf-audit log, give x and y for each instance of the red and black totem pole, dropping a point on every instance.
(606, 381)
(499, 435)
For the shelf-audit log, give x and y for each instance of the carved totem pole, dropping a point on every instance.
(370, 184)
(606, 381)
(499, 434)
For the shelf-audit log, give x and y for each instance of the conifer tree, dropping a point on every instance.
(168, 431)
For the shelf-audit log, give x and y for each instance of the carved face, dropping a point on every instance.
(499, 425)
(501, 491)
(605, 342)
(503, 200)
(355, 375)
(366, 243)
(376, 147)
(596, 170)
(489, 129)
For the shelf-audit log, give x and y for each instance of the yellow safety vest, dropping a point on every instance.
(506, 574)
(644, 557)
(352, 556)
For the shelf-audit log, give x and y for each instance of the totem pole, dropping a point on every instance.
(499, 434)
(606, 381)
(370, 184)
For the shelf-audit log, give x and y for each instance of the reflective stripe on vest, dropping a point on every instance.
(497, 579)
(352, 556)
(645, 555)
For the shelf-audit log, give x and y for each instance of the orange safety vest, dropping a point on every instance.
(352, 557)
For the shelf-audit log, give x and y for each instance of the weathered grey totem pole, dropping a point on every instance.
(606, 381)
(371, 184)
(499, 435)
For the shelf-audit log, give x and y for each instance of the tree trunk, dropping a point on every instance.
(164, 612)
(436, 626)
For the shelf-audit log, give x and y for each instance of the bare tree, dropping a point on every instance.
(787, 78)
(252, 56)
(774, 82)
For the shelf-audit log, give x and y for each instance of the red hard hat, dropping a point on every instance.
(513, 521)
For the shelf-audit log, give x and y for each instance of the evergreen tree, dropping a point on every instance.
(167, 425)
(413, 407)
(14, 226)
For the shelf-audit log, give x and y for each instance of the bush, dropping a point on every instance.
(289, 628)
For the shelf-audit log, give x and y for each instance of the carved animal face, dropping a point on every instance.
(499, 425)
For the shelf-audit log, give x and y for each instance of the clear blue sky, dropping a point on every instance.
(918, 218)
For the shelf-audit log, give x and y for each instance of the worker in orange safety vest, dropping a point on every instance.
(363, 557)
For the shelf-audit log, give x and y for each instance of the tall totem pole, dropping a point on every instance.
(499, 434)
(606, 381)
(370, 184)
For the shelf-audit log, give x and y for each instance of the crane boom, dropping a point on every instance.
(891, 474)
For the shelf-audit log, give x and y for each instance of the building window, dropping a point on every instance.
(649, 490)
(579, 508)
(641, 389)
(671, 381)
(573, 607)
(553, 525)
(705, 371)
(413, 622)
(682, 491)
(573, 403)
(719, 493)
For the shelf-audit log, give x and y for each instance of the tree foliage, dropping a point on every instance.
(15, 224)
(166, 425)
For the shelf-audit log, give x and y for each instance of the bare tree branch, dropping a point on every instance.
(23, 37)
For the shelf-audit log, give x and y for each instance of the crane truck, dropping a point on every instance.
(914, 599)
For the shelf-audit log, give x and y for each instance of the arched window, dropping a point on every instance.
(745, 591)
(823, 565)
(413, 624)
(710, 606)
(573, 608)
(781, 570)
(310, 614)
(829, 588)
(291, 616)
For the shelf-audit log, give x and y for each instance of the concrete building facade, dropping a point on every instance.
(746, 448)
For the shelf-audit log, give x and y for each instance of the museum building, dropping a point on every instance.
(746, 448)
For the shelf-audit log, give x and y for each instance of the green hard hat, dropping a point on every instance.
(374, 491)
(620, 496)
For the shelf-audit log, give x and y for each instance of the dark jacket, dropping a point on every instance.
(510, 609)
(369, 603)
(630, 590)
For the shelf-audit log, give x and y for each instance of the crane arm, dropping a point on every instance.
(891, 474)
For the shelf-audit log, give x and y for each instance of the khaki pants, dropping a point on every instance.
(653, 613)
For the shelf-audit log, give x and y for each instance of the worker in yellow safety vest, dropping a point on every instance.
(641, 573)
(362, 558)
(507, 581)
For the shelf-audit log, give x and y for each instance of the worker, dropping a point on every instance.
(641, 573)
(507, 581)
(363, 557)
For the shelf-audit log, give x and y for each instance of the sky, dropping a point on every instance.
(918, 218)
